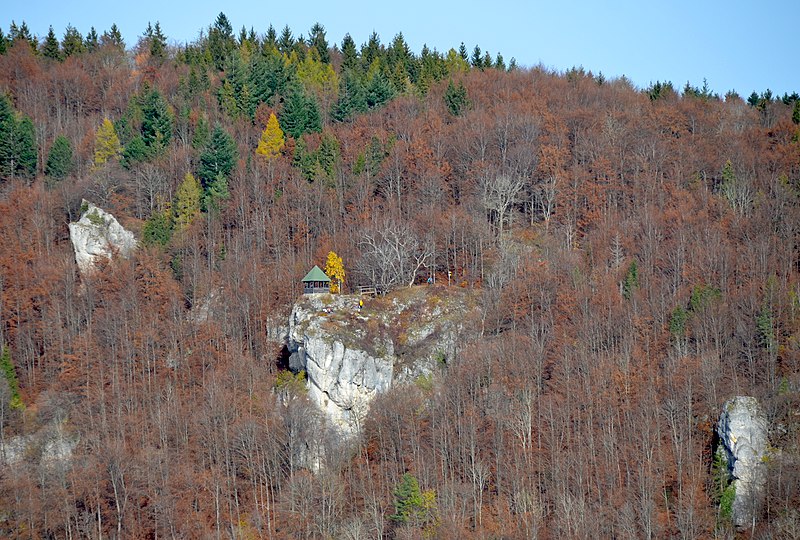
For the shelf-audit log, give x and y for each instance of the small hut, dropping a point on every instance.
(316, 282)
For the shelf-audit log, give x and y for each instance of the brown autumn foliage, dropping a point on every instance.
(576, 411)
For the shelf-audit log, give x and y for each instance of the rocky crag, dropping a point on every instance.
(351, 355)
(742, 431)
(98, 235)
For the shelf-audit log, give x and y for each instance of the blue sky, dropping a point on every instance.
(734, 45)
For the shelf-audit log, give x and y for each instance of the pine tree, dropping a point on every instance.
(631, 281)
(3, 42)
(7, 128)
(50, 47)
(106, 144)
(73, 42)
(220, 40)
(187, 202)
(272, 139)
(796, 112)
(59, 160)
(218, 158)
(215, 191)
(477, 58)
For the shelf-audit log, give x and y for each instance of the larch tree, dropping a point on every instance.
(334, 269)
(272, 140)
(106, 144)
(187, 202)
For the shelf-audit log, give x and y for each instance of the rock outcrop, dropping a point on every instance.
(98, 235)
(742, 431)
(350, 356)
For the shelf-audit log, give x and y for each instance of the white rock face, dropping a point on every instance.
(742, 431)
(98, 234)
(350, 357)
(51, 445)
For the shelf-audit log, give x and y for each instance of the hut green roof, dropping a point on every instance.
(315, 274)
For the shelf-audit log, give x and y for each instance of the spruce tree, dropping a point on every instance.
(25, 148)
(316, 39)
(300, 114)
(352, 98)
(10, 375)
(349, 53)
(50, 47)
(92, 41)
(73, 42)
(455, 97)
(59, 160)
(157, 121)
(218, 158)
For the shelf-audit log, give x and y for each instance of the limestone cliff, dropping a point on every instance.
(98, 235)
(351, 355)
(742, 431)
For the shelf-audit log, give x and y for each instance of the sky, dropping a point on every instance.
(733, 45)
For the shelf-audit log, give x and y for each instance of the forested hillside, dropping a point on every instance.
(636, 253)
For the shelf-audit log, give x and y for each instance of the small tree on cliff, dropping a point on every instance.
(334, 269)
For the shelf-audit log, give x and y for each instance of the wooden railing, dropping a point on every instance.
(367, 291)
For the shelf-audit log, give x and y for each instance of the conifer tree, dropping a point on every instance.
(187, 202)
(218, 158)
(455, 97)
(157, 121)
(59, 160)
(352, 98)
(10, 375)
(92, 41)
(25, 148)
(349, 53)
(113, 38)
(106, 144)
(157, 229)
(300, 114)
(72, 42)
(50, 47)
(272, 139)
(316, 39)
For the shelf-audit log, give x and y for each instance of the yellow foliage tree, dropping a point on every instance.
(106, 143)
(272, 139)
(187, 203)
(334, 269)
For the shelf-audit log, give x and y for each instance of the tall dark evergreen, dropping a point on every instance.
(18, 153)
(113, 38)
(352, 98)
(157, 41)
(50, 46)
(220, 40)
(455, 97)
(300, 114)
(349, 53)
(316, 39)
(73, 42)
(59, 160)
(157, 121)
(92, 41)
(3, 42)
(286, 41)
(269, 77)
(379, 91)
(477, 58)
(218, 158)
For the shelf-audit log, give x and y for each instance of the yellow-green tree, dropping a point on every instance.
(187, 202)
(106, 143)
(272, 139)
(334, 269)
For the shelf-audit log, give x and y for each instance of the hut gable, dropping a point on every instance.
(316, 281)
